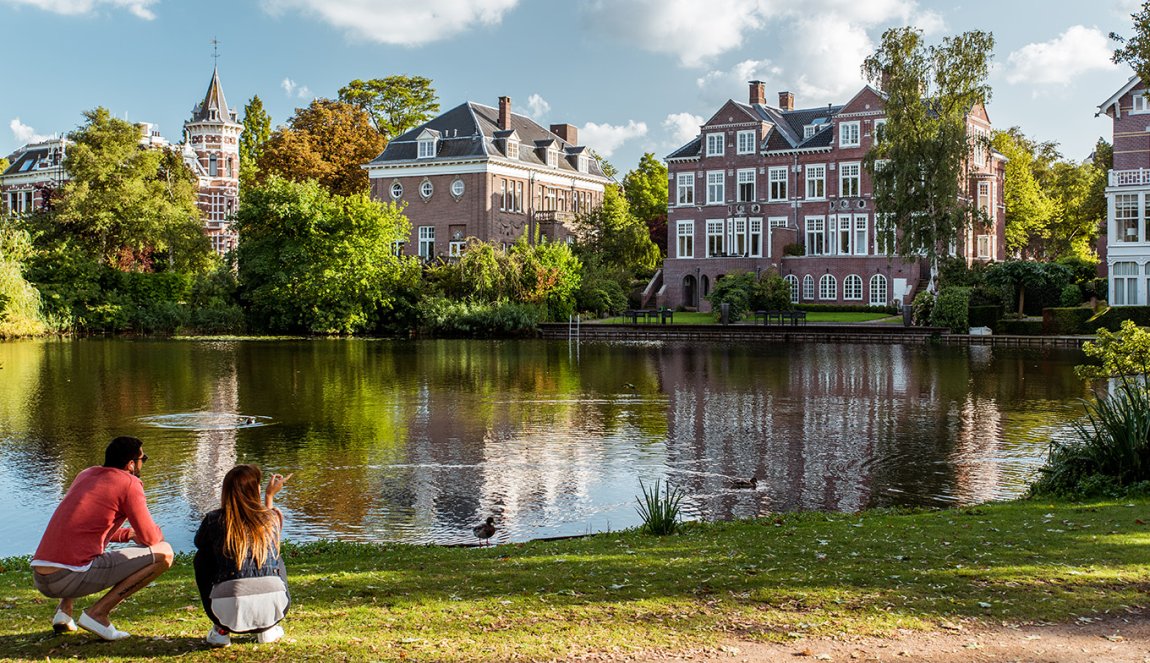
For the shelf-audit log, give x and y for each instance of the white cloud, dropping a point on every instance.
(738, 75)
(1059, 61)
(537, 106)
(402, 23)
(606, 138)
(23, 133)
(138, 8)
(683, 126)
(293, 89)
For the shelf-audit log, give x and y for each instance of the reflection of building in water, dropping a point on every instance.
(829, 427)
(215, 450)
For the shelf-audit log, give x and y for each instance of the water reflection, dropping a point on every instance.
(419, 442)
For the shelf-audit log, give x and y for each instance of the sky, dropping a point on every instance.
(633, 76)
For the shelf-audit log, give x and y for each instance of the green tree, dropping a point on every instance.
(1124, 355)
(128, 207)
(609, 170)
(1014, 278)
(1135, 50)
(395, 104)
(329, 141)
(257, 131)
(615, 237)
(312, 261)
(19, 299)
(925, 149)
(1029, 209)
(646, 191)
(1079, 192)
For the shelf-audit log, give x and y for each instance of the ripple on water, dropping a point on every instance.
(205, 421)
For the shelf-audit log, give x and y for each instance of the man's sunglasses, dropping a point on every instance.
(143, 459)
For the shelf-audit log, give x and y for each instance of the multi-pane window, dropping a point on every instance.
(849, 134)
(777, 177)
(426, 149)
(1140, 104)
(849, 179)
(1125, 291)
(843, 234)
(426, 242)
(984, 247)
(793, 281)
(426, 189)
(815, 236)
(808, 287)
(745, 142)
(518, 197)
(828, 287)
(685, 189)
(861, 223)
(755, 237)
(714, 238)
(455, 248)
(503, 201)
(879, 129)
(213, 165)
(685, 239)
(878, 294)
(737, 237)
(552, 158)
(715, 145)
(746, 182)
(1126, 217)
(984, 199)
(852, 287)
(809, 131)
(816, 182)
(512, 149)
(716, 193)
(884, 235)
(396, 190)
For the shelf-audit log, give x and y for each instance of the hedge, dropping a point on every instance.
(951, 309)
(985, 316)
(847, 308)
(1067, 321)
(1020, 327)
(1112, 317)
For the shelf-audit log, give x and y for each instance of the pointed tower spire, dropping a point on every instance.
(213, 101)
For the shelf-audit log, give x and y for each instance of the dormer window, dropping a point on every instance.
(512, 148)
(552, 158)
(584, 164)
(809, 131)
(426, 148)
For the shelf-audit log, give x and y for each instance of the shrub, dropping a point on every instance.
(794, 249)
(1071, 295)
(985, 316)
(1109, 452)
(735, 290)
(952, 310)
(771, 293)
(921, 307)
(1065, 321)
(1113, 317)
(444, 317)
(659, 510)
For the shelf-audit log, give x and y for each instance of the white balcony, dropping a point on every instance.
(1136, 177)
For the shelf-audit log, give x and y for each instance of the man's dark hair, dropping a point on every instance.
(121, 451)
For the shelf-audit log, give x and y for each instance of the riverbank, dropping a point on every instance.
(784, 579)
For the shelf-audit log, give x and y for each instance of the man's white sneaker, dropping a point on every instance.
(271, 635)
(62, 622)
(108, 632)
(218, 637)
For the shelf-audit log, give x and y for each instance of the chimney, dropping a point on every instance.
(567, 132)
(504, 113)
(758, 94)
(786, 101)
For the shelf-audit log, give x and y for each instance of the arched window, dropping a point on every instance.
(828, 287)
(852, 287)
(689, 291)
(878, 293)
(808, 287)
(793, 281)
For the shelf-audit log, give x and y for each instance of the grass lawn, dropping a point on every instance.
(687, 318)
(774, 579)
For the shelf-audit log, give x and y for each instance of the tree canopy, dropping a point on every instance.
(316, 262)
(1135, 50)
(257, 131)
(919, 165)
(329, 141)
(128, 207)
(645, 189)
(615, 238)
(395, 104)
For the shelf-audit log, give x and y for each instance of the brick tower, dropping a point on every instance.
(212, 147)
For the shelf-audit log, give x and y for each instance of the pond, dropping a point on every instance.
(418, 441)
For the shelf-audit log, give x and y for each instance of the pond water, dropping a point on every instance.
(419, 441)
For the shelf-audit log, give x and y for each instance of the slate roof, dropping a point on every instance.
(213, 100)
(36, 158)
(471, 131)
(785, 132)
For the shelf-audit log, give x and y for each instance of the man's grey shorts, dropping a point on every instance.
(106, 570)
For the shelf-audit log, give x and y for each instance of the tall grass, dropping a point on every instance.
(659, 509)
(1110, 452)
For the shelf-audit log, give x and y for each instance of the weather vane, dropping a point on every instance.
(216, 50)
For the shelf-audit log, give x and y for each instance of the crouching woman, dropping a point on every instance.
(239, 571)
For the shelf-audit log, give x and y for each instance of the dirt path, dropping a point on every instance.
(1106, 640)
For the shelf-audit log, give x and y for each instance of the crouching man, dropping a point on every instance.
(71, 561)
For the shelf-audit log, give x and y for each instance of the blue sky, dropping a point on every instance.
(633, 75)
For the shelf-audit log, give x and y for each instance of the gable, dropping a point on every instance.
(731, 113)
(979, 113)
(866, 100)
(1111, 106)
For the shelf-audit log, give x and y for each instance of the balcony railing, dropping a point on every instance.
(1137, 177)
(544, 216)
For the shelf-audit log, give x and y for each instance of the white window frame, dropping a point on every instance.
(983, 246)
(816, 176)
(745, 142)
(793, 281)
(755, 237)
(715, 238)
(879, 295)
(842, 228)
(716, 187)
(1124, 289)
(552, 158)
(685, 189)
(850, 179)
(455, 248)
(777, 180)
(427, 242)
(809, 131)
(512, 149)
(815, 237)
(396, 190)
(426, 148)
(1139, 103)
(861, 230)
(1126, 225)
(737, 236)
(426, 189)
(685, 239)
(880, 247)
(853, 288)
(828, 288)
(745, 176)
(458, 187)
(878, 129)
(849, 134)
(716, 144)
(808, 288)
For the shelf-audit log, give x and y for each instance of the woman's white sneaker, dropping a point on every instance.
(271, 635)
(218, 637)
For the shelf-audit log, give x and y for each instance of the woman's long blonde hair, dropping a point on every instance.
(249, 526)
